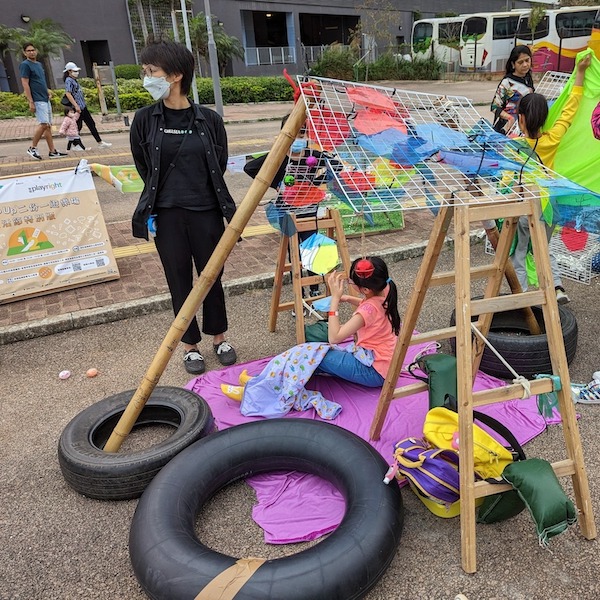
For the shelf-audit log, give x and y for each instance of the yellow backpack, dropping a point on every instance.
(441, 430)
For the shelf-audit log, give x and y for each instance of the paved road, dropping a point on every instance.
(58, 544)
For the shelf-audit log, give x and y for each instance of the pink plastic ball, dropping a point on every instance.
(311, 161)
(64, 375)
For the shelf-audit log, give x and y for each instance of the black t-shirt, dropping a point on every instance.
(188, 184)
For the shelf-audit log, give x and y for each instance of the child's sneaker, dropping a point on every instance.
(34, 153)
(561, 296)
(57, 154)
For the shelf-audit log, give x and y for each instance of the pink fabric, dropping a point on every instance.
(294, 507)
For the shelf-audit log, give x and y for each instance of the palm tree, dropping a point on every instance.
(48, 37)
(228, 46)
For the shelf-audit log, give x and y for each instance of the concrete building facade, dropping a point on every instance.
(274, 34)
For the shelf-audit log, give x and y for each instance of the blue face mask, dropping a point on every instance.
(158, 87)
(298, 145)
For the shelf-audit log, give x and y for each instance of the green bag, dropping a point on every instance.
(316, 332)
(538, 487)
(441, 376)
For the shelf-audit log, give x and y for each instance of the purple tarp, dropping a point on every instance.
(295, 507)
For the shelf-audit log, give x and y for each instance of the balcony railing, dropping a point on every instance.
(285, 55)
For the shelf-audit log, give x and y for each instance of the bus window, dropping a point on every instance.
(542, 29)
(422, 36)
(505, 27)
(474, 27)
(449, 33)
(575, 24)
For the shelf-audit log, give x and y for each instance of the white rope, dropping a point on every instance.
(519, 379)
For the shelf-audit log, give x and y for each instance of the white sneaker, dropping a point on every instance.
(561, 296)
(104, 144)
(78, 148)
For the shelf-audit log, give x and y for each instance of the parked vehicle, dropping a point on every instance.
(558, 37)
(487, 39)
(437, 38)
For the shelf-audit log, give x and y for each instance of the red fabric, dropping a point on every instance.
(371, 99)
(370, 122)
(573, 240)
(302, 194)
(328, 127)
(358, 181)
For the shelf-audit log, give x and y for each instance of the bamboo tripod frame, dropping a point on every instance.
(208, 276)
(332, 224)
(468, 352)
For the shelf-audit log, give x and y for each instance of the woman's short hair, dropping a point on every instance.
(534, 109)
(173, 58)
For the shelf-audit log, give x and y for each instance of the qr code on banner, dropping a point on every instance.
(76, 266)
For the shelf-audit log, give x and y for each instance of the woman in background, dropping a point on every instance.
(517, 82)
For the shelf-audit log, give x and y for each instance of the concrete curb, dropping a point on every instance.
(125, 129)
(144, 306)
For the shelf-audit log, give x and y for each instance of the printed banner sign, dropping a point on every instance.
(52, 235)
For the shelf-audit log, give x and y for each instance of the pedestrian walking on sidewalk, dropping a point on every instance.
(75, 95)
(33, 79)
(70, 130)
(180, 151)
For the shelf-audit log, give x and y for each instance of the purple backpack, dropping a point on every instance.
(431, 472)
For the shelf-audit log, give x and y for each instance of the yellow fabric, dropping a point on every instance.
(441, 429)
(547, 144)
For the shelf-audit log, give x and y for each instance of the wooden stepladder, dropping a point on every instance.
(469, 351)
(331, 222)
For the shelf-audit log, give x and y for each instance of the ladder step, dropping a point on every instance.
(509, 302)
(562, 468)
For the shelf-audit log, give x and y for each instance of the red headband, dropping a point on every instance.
(364, 268)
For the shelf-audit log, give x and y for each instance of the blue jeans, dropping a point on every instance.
(345, 366)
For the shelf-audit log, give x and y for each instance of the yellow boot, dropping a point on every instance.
(235, 392)
(244, 377)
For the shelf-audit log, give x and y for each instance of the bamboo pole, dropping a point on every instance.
(208, 276)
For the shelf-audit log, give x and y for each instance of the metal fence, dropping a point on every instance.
(284, 55)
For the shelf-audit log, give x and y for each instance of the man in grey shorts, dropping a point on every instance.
(36, 91)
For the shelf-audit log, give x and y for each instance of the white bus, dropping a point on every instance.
(487, 39)
(558, 37)
(437, 38)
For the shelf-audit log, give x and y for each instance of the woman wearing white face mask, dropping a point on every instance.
(74, 93)
(180, 151)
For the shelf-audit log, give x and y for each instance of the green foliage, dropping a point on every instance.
(336, 62)
(228, 46)
(245, 89)
(46, 35)
(13, 105)
(127, 72)
(134, 100)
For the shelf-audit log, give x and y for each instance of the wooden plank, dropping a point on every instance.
(503, 210)
(510, 302)
(419, 290)
(511, 392)
(447, 277)
(561, 468)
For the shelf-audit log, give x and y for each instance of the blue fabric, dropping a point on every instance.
(279, 387)
(347, 366)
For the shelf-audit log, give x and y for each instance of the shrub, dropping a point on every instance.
(245, 89)
(13, 105)
(127, 72)
(336, 62)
